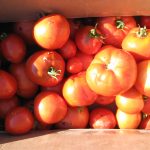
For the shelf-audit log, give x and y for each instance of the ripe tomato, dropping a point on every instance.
(52, 31)
(77, 92)
(130, 102)
(128, 121)
(110, 72)
(145, 21)
(88, 39)
(102, 118)
(114, 29)
(7, 104)
(12, 47)
(49, 107)
(137, 43)
(105, 100)
(45, 68)
(19, 121)
(146, 108)
(145, 123)
(26, 88)
(76, 117)
(8, 85)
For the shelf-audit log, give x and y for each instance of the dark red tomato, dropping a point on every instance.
(102, 118)
(45, 68)
(8, 85)
(77, 92)
(26, 88)
(52, 31)
(105, 100)
(145, 21)
(146, 108)
(12, 47)
(19, 121)
(145, 123)
(76, 117)
(7, 104)
(49, 107)
(114, 29)
(68, 50)
(41, 126)
(88, 39)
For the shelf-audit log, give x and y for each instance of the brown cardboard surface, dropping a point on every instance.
(87, 139)
(12, 10)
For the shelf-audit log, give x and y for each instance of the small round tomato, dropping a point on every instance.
(102, 118)
(52, 31)
(128, 121)
(8, 85)
(145, 21)
(110, 71)
(77, 92)
(114, 29)
(145, 123)
(49, 107)
(146, 108)
(19, 121)
(88, 39)
(12, 47)
(105, 100)
(45, 68)
(76, 117)
(26, 88)
(130, 102)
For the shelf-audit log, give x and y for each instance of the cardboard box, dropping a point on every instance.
(82, 139)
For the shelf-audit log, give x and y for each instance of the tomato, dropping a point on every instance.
(77, 92)
(130, 102)
(111, 72)
(49, 107)
(68, 50)
(105, 100)
(19, 121)
(76, 117)
(88, 39)
(12, 47)
(114, 29)
(145, 123)
(146, 108)
(102, 118)
(7, 104)
(128, 121)
(45, 68)
(143, 81)
(8, 85)
(137, 43)
(52, 31)
(26, 88)
(145, 21)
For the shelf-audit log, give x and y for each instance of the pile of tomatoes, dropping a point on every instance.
(59, 73)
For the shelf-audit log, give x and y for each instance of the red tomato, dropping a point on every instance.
(7, 104)
(26, 88)
(146, 108)
(88, 39)
(145, 21)
(114, 29)
(105, 100)
(76, 117)
(102, 118)
(52, 31)
(12, 47)
(8, 85)
(49, 107)
(45, 68)
(19, 121)
(145, 123)
(130, 102)
(110, 72)
(128, 121)
(77, 92)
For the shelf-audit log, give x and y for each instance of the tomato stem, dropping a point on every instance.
(120, 24)
(3, 36)
(53, 72)
(144, 115)
(142, 32)
(145, 98)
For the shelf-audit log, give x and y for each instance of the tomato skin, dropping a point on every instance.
(128, 121)
(114, 35)
(8, 85)
(145, 21)
(49, 107)
(146, 108)
(145, 123)
(77, 92)
(13, 48)
(102, 118)
(52, 31)
(76, 118)
(110, 71)
(26, 88)
(41, 64)
(86, 43)
(19, 121)
(130, 102)
(105, 100)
